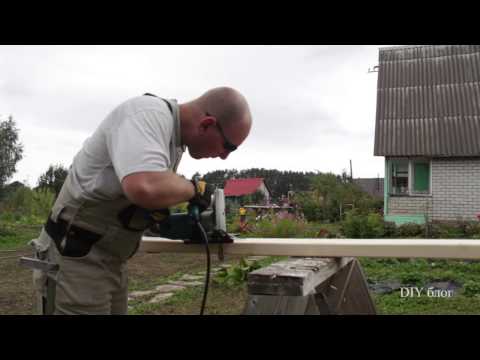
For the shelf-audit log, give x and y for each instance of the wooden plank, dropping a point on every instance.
(294, 277)
(398, 248)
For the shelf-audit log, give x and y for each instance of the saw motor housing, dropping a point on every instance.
(182, 226)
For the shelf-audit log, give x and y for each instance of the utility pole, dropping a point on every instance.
(351, 171)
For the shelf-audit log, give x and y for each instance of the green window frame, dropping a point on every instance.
(410, 176)
(421, 177)
(400, 177)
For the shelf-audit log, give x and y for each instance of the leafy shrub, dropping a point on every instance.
(412, 277)
(471, 288)
(5, 231)
(236, 274)
(410, 230)
(389, 229)
(375, 225)
(446, 275)
(472, 230)
(443, 230)
(27, 206)
(324, 233)
(388, 261)
(284, 228)
(357, 225)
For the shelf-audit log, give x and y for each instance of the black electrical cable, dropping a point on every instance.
(207, 275)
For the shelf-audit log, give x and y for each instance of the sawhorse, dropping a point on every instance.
(309, 286)
(45, 302)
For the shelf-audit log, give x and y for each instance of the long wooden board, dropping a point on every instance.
(397, 248)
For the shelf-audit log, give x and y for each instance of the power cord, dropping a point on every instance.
(207, 276)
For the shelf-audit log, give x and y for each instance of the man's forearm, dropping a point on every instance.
(159, 190)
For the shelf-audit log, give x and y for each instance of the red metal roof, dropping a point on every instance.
(239, 187)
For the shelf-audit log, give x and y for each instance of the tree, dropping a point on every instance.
(53, 179)
(11, 151)
(9, 189)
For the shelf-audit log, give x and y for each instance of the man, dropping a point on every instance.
(125, 170)
(243, 217)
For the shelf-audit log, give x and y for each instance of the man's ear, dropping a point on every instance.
(206, 122)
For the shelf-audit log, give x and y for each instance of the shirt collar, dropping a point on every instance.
(176, 124)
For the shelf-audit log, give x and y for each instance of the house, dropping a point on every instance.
(241, 187)
(372, 186)
(428, 129)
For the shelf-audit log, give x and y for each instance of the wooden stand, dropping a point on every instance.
(309, 286)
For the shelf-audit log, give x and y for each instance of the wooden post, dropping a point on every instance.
(309, 286)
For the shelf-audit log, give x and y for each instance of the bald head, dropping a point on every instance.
(227, 105)
(219, 117)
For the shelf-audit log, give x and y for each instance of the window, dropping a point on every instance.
(410, 177)
(400, 177)
(421, 178)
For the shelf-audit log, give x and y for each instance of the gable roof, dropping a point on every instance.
(428, 101)
(239, 187)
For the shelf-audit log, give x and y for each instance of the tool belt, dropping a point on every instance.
(76, 243)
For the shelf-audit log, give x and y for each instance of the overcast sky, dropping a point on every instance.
(313, 107)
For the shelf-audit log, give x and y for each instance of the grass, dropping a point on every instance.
(393, 304)
(434, 270)
(226, 298)
(418, 272)
(16, 236)
(136, 284)
(230, 298)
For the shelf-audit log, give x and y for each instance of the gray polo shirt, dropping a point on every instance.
(140, 134)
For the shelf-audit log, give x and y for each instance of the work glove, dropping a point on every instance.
(203, 195)
(159, 215)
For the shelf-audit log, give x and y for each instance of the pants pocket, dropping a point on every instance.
(121, 244)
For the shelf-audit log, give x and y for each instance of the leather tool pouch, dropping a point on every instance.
(78, 242)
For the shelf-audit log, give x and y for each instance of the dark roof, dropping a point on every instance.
(428, 101)
(372, 186)
(240, 187)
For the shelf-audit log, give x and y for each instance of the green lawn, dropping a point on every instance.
(418, 272)
(17, 236)
(231, 299)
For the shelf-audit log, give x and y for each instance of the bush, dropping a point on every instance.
(375, 225)
(285, 228)
(412, 278)
(472, 230)
(389, 229)
(27, 206)
(236, 274)
(471, 288)
(448, 230)
(5, 231)
(410, 230)
(357, 225)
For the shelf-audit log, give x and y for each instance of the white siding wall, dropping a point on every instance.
(456, 189)
(455, 192)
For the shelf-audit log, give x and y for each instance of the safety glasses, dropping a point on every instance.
(226, 143)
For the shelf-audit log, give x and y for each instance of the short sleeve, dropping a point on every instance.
(140, 142)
